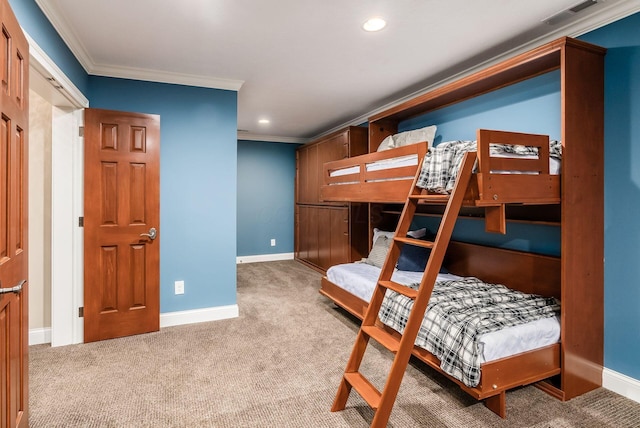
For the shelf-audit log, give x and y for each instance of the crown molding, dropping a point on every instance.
(74, 43)
(248, 136)
(67, 34)
(167, 77)
(606, 14)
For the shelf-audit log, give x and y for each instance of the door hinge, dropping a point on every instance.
(81, 312)
(81, 221)
(81, 131)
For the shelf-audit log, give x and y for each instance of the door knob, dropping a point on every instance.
(15, 289)
(152, 233)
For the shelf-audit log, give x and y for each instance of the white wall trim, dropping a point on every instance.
(41, 62)
(264, 258)
(249, 136)
(166, 77)
(39, 336)
(217, 313)
(621, 384)
(64, 305)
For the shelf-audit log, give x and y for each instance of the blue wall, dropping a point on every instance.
(198, 134)
(266, 177)
(622, 193)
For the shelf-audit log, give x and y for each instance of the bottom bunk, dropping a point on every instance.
(500, 370)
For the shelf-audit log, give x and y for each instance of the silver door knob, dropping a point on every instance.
(15, 289)
(153, 233)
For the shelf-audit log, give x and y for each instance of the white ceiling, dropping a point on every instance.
(307, 65)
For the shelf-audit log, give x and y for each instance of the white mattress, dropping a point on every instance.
(360, 279)
(410, 160)
(396, 162)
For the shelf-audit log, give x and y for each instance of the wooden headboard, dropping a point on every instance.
(527, 272)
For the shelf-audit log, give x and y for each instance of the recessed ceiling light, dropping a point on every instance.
(374, 24)
(264, 121)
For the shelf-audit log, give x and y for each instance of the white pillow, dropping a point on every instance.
(427, 133)
(419, 233)
(378, 253)
(386, 144)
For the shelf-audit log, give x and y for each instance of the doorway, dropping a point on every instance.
(56, 172)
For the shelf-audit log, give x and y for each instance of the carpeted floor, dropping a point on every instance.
(277, 365)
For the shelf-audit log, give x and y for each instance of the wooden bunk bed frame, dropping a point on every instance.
(527, 272)
(498, 181)
(574, 365)
(488, 187)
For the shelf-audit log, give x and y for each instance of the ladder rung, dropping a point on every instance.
(399, 288)
(382, 337)
(415, 242)
(365, 388)
(435, 198)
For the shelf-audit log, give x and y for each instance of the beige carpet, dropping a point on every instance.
(277, 365)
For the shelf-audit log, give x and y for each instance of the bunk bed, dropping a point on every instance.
(526, 272)
(572, 366)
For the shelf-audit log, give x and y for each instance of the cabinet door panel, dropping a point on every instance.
(308, 185)
(324, 237)
(339, 236)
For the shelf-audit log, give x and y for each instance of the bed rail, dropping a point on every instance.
(496, 182)
(362, 185)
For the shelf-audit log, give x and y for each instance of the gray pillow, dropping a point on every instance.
(379, 251)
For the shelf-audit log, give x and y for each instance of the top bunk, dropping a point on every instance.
(512, 168)
(581, 135)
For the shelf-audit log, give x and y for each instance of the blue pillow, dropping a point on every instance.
(414, 259)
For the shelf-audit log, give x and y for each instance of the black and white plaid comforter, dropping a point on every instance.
(441, 163)
(459, 311)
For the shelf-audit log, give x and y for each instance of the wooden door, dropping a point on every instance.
(121, 208)
(14, 85)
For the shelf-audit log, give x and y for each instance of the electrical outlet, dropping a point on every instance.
(179, 285)
(273, 242)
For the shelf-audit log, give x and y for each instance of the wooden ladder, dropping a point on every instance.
(382, 402)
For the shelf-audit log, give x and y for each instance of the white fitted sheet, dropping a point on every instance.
(409, 160)
(396, 162)
(360, 279)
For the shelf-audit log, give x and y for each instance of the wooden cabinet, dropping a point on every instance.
(351, 141)
(323, 238)
(328, 233)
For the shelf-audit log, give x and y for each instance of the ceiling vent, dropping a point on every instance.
(568, 13)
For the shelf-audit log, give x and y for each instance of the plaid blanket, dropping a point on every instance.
(442, 162)
(458, 312)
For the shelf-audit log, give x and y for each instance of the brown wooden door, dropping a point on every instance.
(121, 204)
(14, 326)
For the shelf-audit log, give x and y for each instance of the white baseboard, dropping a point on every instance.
(264, 258)
(621, 384)
(198, 315)
(39, 336)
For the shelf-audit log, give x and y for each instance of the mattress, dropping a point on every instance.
(408, 160)
(360, 279)
(411, 160)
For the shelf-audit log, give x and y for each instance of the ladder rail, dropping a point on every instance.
(387, 397)
(441, 242)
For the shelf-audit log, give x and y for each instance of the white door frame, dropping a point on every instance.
(67, 158)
